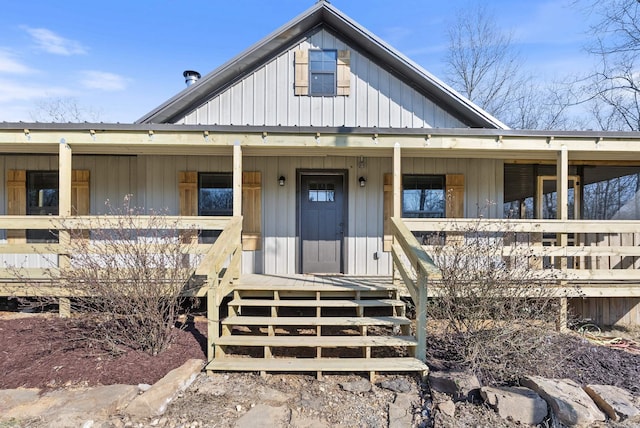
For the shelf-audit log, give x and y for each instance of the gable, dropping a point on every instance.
(376, 97)
(272, 55)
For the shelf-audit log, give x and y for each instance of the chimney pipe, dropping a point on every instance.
(191, 77)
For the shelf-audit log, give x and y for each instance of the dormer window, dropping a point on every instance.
(322, 72)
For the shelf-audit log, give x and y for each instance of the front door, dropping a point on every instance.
(321, 222)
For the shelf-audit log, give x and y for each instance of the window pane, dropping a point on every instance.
(323, 84)
(321, 192)
(423, 196)
(42, 199)
(215, 195)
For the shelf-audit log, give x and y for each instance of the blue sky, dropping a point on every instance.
(122, 58)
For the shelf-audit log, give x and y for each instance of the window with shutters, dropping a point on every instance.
(423, 196)
(42, 199)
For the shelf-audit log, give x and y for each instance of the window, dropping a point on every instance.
(423, 196)
(322, 72)
(321, 192)
(42, 199)
(215, 198)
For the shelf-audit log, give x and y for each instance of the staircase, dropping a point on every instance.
(315, 324)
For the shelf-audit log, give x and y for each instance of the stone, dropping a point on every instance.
(616, 402)
(401, 410)
(571, 405)
(396, 385)
(361, 385)
(100, 401)
(263, 416)
(267, 394)
(155, 400)
(448, 407)
(517, 404)
(10, 398)
(460, 385)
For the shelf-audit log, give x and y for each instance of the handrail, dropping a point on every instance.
(415, 276)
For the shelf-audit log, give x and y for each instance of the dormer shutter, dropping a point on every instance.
(344, 73)
(302, 72)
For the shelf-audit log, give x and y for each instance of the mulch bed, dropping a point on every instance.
(36, 352)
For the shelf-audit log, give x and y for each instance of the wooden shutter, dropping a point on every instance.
(387, 202)
(344, 73)
(454, 189)
(251, 210)
(302, 72)
(188, 191)
(80, 192)
(16, 202)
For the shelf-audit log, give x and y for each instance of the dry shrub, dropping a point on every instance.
(129, 284)
(494, 300)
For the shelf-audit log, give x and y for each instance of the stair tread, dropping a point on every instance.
(341, 303)
(398, 364)
(315, 341)
(316, 321)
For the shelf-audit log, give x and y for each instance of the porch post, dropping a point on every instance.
(396, 209)
(562, 187)
(397, 181)
(64, 210)
(237, 179)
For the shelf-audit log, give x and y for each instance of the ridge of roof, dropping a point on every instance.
(321, 13)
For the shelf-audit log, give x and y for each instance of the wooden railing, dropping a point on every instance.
(602, 257)
(415, 269)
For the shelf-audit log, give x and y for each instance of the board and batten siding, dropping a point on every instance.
(377, 98)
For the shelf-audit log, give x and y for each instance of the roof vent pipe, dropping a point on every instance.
(191, 77)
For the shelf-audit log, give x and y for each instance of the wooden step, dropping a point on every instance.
(402, 364)
(312, 287)
(313, 303)
(316, 341)
(316, 321)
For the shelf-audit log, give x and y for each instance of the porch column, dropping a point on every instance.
(64, 210)
(397, 182)
(237, 179)
(562, 188)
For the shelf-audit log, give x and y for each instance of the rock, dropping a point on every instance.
(448, 407)
(144, 387)
(458, 384)
(616, 402)
(396, 385)
(76, 406)
(155, 400)
(267, 394)
(10, 398)
(361, 385)
(517, 404)
(401, 411)
(263, 416)
(569, 402)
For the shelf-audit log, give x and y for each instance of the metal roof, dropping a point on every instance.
(325, 15)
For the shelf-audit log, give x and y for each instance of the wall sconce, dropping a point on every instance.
(281, 180)
(362, 181)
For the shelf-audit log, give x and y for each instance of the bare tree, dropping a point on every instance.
(483, 65)
(62, 110)
(613, 90)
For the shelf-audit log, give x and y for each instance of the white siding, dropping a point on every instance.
(266, 97)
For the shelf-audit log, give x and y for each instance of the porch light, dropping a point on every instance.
(362, 181)
(281, 180)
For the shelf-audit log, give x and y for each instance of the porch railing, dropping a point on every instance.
(29, 269)
(601, 256)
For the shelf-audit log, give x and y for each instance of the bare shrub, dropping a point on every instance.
(494, 301)
(128, 283)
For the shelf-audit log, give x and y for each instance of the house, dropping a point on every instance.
(331, 146)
